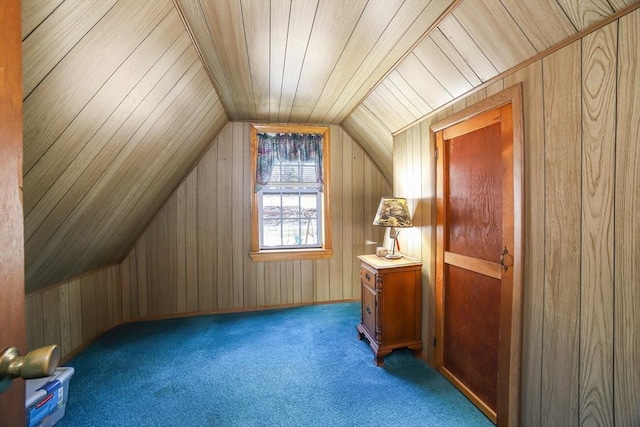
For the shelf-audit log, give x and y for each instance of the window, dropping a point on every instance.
(290, 204)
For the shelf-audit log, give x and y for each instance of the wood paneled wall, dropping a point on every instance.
(74, 312)
(194, 255)
(581, 352)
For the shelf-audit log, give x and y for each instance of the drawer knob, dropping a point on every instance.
(368, 310)
(366, 275)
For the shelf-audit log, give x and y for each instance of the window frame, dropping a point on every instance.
(326, 249)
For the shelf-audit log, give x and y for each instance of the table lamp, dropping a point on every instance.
(393, 212)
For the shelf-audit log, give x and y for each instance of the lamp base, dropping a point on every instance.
(393, 256)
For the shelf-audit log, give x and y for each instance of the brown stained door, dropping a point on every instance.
(475, 245)
(12, 330)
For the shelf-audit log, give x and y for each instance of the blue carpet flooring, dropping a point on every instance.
(290, 367)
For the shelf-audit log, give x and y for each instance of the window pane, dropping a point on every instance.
(289, 218)
(271, 201)
(272, 232)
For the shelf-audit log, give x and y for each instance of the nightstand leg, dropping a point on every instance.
(417, 350)
(379, 356)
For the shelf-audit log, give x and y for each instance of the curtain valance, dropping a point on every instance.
(287, 147)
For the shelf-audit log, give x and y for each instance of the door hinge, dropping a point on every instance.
(436, 152)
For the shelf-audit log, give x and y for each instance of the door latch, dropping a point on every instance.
(505, 251)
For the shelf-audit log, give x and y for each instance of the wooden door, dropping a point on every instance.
(478, 258)
(12, 331)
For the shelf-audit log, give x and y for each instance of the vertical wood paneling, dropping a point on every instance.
(359, 243)
(154, 278)
(370, 202)
(428, 235)
(141, 275)
(181, 249)
(215, 251)
(337, 188)
(33, 313)
(272, 283)
(73, 313)
(237, 280)
(533, 292)
(125, 277)
(415, 149)
(224, 209)
(288, 282)
(191, 245)
(260, 278)
(114, 286)
(169, 229)
(133, 271)
(206, 203)
(345, 238)
(599, 58)
(308, 283)
(51, 333)
(321, 280)
(66, 345)
(250, 298)
(580, 356)
(560, 363)
(586, 12)
(627, 226)
(100, 292)
(88, 299)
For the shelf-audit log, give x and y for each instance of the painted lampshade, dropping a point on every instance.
(393, 212)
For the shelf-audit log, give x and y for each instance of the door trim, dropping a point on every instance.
(509, 395)
(12, 299)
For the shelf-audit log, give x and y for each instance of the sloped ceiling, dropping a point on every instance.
(117, 108)
(121, 97)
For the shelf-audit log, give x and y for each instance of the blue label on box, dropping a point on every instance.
(46, 405)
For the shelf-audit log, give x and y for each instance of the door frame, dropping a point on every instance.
(12, 300)
(508, 411)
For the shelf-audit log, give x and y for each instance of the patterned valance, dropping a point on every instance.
(278, 147)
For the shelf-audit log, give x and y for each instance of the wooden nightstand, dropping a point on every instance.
(391, 305)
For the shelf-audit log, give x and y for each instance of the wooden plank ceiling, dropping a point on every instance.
(121, 97)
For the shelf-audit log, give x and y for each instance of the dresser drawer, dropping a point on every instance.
(367, 277)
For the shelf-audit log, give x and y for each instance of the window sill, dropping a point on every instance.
(291, 254)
